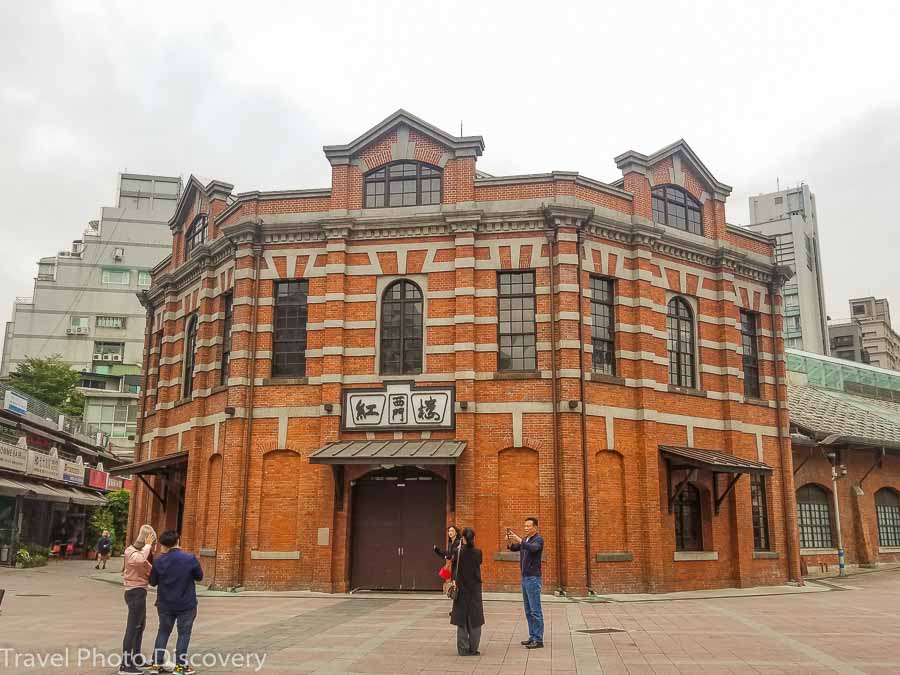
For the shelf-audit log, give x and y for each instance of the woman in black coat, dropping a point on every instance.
(468, 608)
(452, 544)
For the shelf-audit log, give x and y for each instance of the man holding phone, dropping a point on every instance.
(530, 550)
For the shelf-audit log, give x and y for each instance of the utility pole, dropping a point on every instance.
(837, 474)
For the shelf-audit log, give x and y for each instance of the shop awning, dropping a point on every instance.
(389, 452)
(11, 488)
(711, 460)
(158, 465)
(83, 497)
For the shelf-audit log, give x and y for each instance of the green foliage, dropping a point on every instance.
(113, 517)
(52, 381)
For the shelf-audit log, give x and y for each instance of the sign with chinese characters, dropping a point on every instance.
(399, 405)
(114, 483)
(45, 466)
(15, 402)
(13, 457)
(96, 479)
(72, 472)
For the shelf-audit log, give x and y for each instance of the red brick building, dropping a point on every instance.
(333, 375)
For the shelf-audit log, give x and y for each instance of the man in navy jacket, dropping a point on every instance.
(530, 549)
(174, 574)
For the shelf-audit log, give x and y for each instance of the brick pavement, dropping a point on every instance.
(854, 629)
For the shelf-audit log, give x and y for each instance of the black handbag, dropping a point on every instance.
(453, 589)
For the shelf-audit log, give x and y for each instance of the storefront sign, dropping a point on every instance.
(72, 472)
(97, 479)
(114, 483)
(43, 465)
(398, 405)
(15, 403)
(13, 457)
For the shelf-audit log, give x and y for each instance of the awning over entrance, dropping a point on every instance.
(694, 459)
(389, 452)
(50, 493)
(711, 460)
(158, 465)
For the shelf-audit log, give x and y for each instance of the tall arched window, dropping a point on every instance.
(673, 206)
(190, 357)
(680, 328)
(401, 329)
(814, 517)
(887, 508)
(688, 520)
(196, 234)
(403, 184)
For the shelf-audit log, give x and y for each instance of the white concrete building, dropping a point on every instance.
(84, 305)
(791, 217)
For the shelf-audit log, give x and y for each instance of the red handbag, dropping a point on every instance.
(445, 573)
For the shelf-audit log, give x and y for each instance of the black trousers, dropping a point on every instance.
(136, 599)
(468, 638)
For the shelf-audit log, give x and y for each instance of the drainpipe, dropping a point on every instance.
(144, 298)
(787, 459)
(551, 240)
(584, 460)
(257, 255)
(835, 475)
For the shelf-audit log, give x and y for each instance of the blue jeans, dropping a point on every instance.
(531, 594)
(167, 620)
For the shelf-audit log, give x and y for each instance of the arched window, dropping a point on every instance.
(196, 234)
(401, 329)
(673, 206)
(680, 327)
(190, 357)
(688, 520)
(403, 184)
(814, 517)
(887, 508)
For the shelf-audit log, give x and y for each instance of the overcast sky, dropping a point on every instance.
(249, 93)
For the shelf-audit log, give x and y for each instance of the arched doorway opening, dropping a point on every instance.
(398, 514)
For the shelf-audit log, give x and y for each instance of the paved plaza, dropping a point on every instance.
(853, 627)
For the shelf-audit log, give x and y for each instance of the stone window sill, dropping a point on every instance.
(615, 556)
(274, 381)
(182, 401)
(507, 556)
(756, 401)
(207, 553)
(889, 549)
(517, 375)
(606, 379)
(687, 391)
(220, 388)
(766, 555)
(690, 556)
(818, 551)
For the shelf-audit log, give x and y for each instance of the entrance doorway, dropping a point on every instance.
(398, 515)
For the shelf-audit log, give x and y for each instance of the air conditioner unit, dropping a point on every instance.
(119, 253)
(107, 357)
(70, 331)
(81, 330)
(116, 357)
(98, 357)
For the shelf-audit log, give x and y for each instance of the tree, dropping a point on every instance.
(112, 516)
(52, 381)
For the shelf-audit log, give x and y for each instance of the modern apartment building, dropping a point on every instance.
(84, 306)
(790, 216)
(874, 337)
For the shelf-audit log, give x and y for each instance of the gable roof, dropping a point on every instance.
(632, 159)
(462, 145)
(196, 184)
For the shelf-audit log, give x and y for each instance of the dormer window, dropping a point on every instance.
(674, 207)
(196, 234)
(403, 184)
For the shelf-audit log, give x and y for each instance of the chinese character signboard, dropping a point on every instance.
(45, 466)
(399, 405)
(72, 472)
(15, 403)
(114, 483)
(13, 457)
(96, 479)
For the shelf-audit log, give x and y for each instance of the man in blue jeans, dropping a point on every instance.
(530, 549)
(174, 573)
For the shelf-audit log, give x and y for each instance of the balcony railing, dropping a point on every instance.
(44, 413)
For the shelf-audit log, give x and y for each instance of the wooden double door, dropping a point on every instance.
(397, 516)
